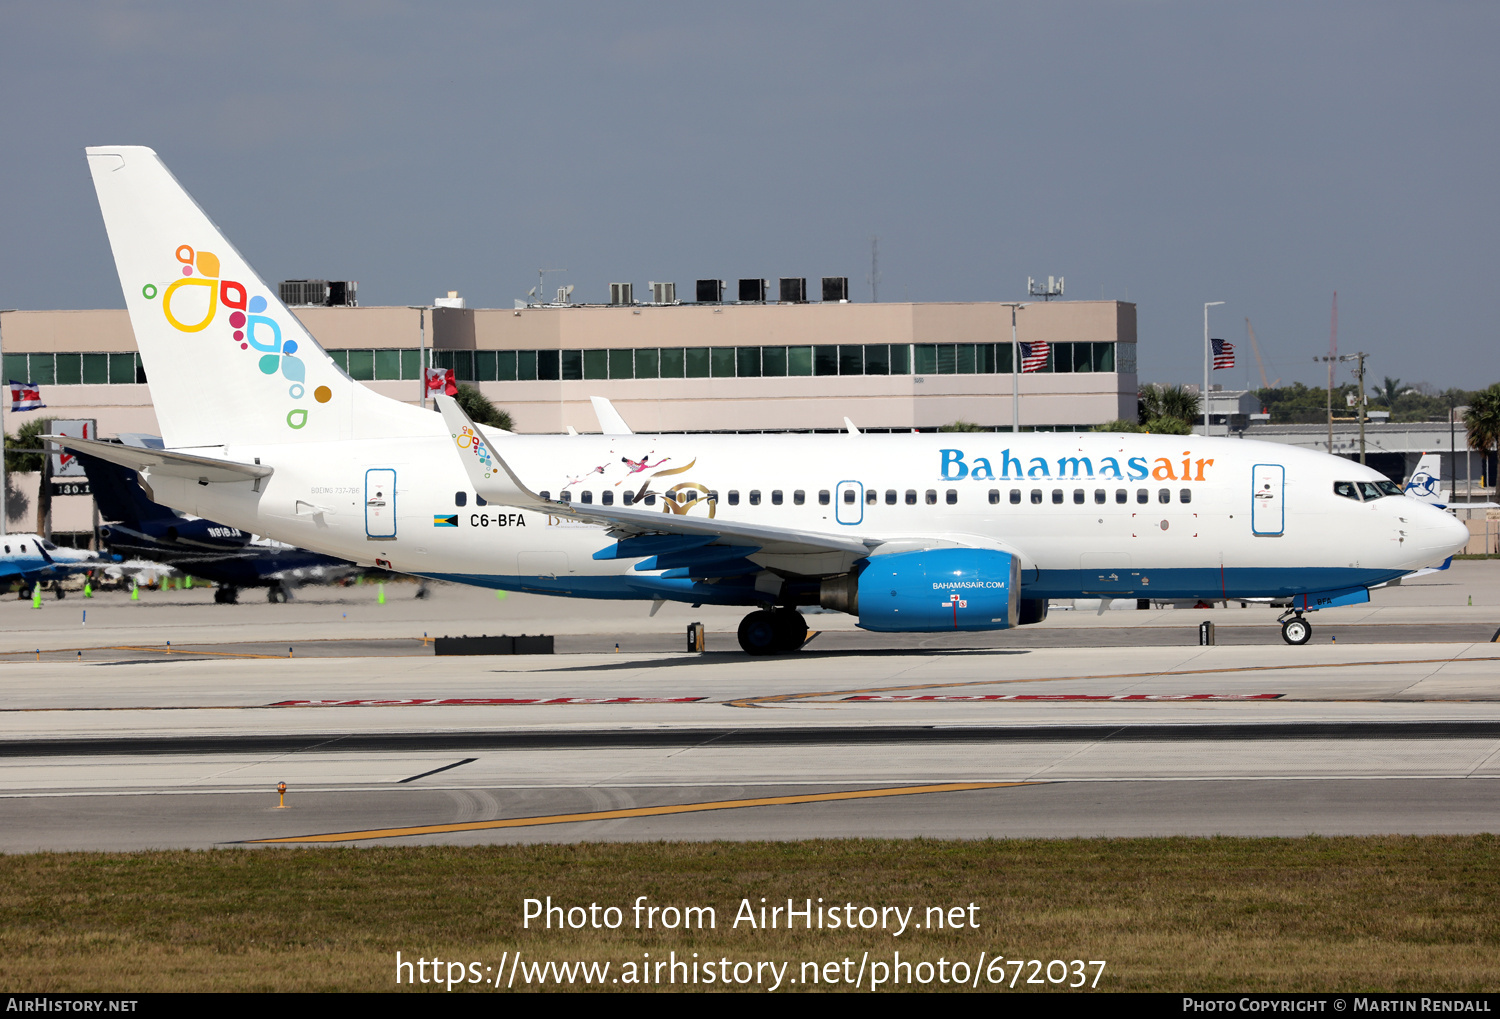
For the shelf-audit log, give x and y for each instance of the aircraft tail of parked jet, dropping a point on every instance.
(1426, 482)
(228, 363)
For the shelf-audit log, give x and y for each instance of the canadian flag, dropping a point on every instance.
(440, 380)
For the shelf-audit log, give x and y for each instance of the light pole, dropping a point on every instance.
(1015, 369)
(1206, 306)
(421, 310)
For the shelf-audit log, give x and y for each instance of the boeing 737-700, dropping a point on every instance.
(919, 532)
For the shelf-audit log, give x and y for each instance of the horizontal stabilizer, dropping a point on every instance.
(164, 463)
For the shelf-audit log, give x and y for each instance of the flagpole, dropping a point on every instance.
(1206, 306)
(1015, 370)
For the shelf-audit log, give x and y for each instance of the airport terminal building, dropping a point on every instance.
(731, 367)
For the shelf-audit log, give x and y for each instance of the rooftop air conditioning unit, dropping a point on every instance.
(622, 293)
(836, 288)
(663, 293)
(710, 291)
(794, 289)
(753, 291)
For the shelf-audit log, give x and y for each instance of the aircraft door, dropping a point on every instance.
(1267, 501)
(380, 503)
(849, 502)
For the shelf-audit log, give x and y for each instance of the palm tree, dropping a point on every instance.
(480, 410)
(1170, 410)
(962, 426)
(1483, 420)
(1389, 392)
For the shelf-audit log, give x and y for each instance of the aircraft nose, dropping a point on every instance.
(1442, 533)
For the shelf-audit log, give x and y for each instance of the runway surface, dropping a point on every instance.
(115, 741)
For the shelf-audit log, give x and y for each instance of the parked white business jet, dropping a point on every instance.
(31, 558)
(908, 532)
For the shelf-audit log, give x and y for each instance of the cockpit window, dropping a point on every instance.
(1368, 490)
(1346, 489)
(1388, 487)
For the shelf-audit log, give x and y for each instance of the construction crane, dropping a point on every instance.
(1255, 349)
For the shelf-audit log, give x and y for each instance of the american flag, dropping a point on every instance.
(1034, 356)
(1223, 354)
(25, 396)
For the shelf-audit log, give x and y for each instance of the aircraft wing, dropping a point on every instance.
(164, 463)
(496, 482)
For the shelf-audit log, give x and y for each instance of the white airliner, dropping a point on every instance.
(969, 531)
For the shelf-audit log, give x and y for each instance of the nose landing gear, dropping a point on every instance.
(773, 633)
(1295, 629)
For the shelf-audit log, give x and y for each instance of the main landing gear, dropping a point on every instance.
(1295, 629)
(770, 632)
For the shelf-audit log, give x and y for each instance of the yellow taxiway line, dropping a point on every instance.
(609, 815)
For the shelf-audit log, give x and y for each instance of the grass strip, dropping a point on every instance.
(1222, 914)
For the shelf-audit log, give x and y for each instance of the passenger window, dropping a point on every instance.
(775, 497)
(586, 498)
(607, 498)
(712, 495)
(1122, 496)
(1100, 496)
(627, 497)
(688, 496)
(911, 497)
(564, 496)
(545, 495)
(823, 497)
(848, 497)
(871, 497)
(734, 497)
(1015, 497)
(1057, 497)
(1036, 496)
(994, 497)
(890, 497)
(1186, 495)
(1368, 490)
(650, 498)
(460, 498)
(1142, 496)
(479, 501)
(799, 497)
(755, 497)
(952, 497)
(932, 497)
(1078, 497)
(1165, 495)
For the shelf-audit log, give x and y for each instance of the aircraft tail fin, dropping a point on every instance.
(226, 361)
(1426, 482)
(117, 494)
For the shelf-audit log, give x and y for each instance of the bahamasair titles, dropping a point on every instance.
(919, 532)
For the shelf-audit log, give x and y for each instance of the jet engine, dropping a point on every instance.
(930, 590)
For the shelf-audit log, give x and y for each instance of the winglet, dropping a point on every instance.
(850, 426)
(610, 421)
(491, 476)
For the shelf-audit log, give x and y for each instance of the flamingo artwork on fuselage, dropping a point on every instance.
(909, 532)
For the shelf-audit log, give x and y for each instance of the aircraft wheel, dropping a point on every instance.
(275, 594)
(760, 634)
(1296, 630)
(792, 629)
(58, 592)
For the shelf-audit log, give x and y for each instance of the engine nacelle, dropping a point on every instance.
(940, 589)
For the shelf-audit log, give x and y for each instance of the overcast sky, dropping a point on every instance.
(1168, 153)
